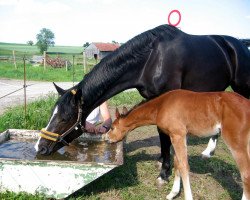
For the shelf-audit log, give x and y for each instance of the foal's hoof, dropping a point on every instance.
(160, 182)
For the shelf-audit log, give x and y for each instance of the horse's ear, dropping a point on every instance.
(59, 90)
(117, 114)
(124, 110)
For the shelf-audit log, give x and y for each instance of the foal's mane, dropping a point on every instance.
(134, 107)
(130, 55)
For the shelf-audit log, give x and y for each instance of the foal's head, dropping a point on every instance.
(118, 129)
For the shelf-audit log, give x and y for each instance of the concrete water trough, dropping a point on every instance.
(59, 175)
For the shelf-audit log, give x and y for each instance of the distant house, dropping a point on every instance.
(100, 50)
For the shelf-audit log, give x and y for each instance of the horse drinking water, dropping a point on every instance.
(181, 112)
(156, 61)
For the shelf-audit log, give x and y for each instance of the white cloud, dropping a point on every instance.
(77, 21)
(8, 2)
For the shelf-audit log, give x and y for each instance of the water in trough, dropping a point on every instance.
(80, 151)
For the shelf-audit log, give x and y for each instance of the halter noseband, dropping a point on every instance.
(55, 137)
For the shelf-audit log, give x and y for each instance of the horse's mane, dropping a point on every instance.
(131, 54)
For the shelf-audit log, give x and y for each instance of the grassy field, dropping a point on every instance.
(216, 178)
(7, 48)
(38, 73)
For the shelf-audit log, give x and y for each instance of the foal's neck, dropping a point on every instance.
(144, 114)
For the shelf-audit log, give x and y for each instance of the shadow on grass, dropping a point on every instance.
(227, 175)
(193, 141)
(121, 177)
(148, 142)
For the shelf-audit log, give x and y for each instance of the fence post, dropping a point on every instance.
(14, 59)
(66, 63)
(73, 70)
(24, 89)
(44, 60)
(84, 62)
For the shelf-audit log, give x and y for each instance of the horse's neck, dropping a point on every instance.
(144, 114)
(104, 82)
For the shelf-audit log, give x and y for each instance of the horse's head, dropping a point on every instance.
(118, 129)
(65, 119)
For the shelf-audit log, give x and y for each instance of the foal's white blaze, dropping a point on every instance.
(212, 143)
(54, 113)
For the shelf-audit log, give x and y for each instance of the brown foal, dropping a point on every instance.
(182, 112)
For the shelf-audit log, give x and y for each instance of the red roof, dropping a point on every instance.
(106, 46)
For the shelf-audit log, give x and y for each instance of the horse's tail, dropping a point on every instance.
(239, 56)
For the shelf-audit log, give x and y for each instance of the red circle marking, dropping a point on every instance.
(174, 11)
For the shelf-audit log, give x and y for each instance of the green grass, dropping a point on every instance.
(39, 74)
(38, 112)
(7, 48)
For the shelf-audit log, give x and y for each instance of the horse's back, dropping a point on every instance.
(202, 113)
(198, 63)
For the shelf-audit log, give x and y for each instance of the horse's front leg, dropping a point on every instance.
(164, 158)
(208, 152)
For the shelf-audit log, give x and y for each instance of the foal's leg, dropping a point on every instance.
(177, 181)
(164, 158)
(240, 150)
(207, 153)
(180, 147)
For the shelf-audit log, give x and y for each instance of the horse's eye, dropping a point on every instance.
(64, 120)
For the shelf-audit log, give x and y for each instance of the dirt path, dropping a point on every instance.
(35, 90)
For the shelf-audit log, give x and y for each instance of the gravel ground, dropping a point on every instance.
(34, 90)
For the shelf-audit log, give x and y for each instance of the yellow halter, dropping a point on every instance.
(49, 135)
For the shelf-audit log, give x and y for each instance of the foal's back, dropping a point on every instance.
(201, 114)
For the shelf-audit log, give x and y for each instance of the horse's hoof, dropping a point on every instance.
(158, 165)
(160, 182)
(205, 155)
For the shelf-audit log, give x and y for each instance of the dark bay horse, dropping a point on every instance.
(156, 61)
(181, 112)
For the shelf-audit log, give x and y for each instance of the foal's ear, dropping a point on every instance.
(124, 110)
(59, 90)
(117, 114)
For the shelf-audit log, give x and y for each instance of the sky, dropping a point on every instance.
(75, 22)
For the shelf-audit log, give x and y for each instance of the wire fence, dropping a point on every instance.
(26, 66)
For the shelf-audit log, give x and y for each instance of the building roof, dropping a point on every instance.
(106, 46)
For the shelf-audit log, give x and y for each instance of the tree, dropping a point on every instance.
(45, 39)
(30, 42)
(86, 44)
(114, 42)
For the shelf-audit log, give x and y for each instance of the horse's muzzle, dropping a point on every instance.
(43, 150)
